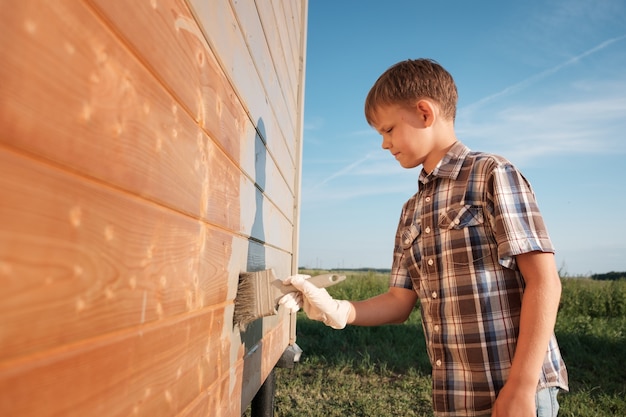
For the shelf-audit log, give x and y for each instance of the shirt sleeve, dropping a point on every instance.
(399, 273)
(518, 224)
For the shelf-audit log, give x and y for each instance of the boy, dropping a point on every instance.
(472, 245)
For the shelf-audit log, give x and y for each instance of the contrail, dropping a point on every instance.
(531, 80)
(343, 171)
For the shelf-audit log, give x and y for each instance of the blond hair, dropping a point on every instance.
(408, 81)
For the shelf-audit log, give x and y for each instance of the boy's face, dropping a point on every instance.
(406, 134)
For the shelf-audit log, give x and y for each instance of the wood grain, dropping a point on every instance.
(142, 168)
(139, 139)
(80, 260)
(152, 371)
(187, 66)
(103, 282)
(221, 28)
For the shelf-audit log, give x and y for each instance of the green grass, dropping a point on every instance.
(358, 371)
(384, 371)
(591, 329)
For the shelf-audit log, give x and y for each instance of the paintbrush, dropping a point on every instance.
(258, 294)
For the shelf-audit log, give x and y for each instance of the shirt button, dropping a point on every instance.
(438, 363)
(407, 241)
(427, 229)
(434, 294)
(430, 262)
(457, 221)
(427, 199)
(436, 327)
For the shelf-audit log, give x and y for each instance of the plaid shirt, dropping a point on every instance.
(456, 246)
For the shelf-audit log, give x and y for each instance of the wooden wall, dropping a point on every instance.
(149, 152)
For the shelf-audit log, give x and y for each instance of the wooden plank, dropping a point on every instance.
(284, 24)
(268, 177)
(114, 296)
(264, 222)
(222, 31)
(267, 53)
(257, 365)
(150, 371)
(184, 55)
(182, 60)
(300, 32)
(160, 369)
(111, 120)
(132, 177)
(275, 83)
(293, 56)
(187, 66)
(272, 14)
(82, 260)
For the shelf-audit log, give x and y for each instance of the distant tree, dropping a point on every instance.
(362, 269)
(609, 276)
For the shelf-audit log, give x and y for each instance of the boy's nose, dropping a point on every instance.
(386, 143)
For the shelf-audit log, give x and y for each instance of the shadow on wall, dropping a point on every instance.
(256, 257)
(256, 243)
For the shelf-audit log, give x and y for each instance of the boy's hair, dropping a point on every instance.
(409, 81)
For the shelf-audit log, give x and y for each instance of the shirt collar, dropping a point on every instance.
(449, 166)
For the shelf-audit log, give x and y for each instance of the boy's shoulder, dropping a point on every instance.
(461, 161)
(461, 157)
(460, 151)
(488, 157)
(486, 161)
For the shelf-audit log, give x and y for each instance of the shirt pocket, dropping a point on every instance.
(465, 239)
(461, 217)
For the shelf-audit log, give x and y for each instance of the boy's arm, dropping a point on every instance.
(538, 315)
(394, 306)
(391, 307)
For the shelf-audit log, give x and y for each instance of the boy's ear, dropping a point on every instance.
(426, 110)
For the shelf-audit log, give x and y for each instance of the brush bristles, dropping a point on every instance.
(257, 296)
(245, 302)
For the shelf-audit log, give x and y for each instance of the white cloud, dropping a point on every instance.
(588, 125)
(556, 116)
(528, 82)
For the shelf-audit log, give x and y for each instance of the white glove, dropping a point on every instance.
(317, 303)
(293, 300)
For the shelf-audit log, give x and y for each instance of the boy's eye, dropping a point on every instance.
(389, 130)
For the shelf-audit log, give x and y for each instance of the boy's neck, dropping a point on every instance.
(446, 138)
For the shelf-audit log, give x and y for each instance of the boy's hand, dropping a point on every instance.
(514, 402)
(316, 302)
(292, 301)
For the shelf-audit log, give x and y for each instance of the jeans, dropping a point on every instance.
(547, 404)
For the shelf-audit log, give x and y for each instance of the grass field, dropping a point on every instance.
(384, 371)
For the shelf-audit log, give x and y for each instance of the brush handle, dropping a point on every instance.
(320, 281)
(325, 280)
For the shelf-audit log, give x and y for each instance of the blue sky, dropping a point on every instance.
(540, 82)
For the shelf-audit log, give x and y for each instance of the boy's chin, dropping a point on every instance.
(409, 165)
